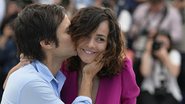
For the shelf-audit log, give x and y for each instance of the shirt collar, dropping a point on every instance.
(46, 73)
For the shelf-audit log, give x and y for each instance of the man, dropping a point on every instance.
(41, 36)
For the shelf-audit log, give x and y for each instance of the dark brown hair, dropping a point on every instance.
(35, 23)
(155, 1)
(84, 23)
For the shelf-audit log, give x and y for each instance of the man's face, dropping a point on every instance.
(65, 47)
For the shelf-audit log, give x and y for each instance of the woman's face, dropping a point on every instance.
(92, 45)
(164, 40)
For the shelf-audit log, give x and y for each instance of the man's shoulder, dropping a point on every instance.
(24, 75)
(24, 71)
(17, 81)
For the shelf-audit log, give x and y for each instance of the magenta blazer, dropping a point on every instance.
(120, 89)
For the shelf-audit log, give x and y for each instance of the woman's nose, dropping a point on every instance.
(91, 43)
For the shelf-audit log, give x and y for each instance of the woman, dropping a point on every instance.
(160, 67)
(95, 31)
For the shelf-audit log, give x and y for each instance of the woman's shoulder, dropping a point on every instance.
(127, 68)
(129, 84)
(174, 51)
(127, 63)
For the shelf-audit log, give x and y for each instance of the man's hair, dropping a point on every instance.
(84, 23)
(35, 23)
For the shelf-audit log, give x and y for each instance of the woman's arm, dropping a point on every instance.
(130, 89)
(88, 73)
(146, 59)
(170, 60)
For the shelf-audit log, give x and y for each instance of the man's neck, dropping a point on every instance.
(53, 65)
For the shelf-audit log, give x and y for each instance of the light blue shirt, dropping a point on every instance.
(35, 84)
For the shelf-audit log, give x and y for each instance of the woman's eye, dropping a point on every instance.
(100, 39)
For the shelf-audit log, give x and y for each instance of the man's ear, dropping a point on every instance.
(46, 44)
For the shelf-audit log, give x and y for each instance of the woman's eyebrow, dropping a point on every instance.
(102, 35)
